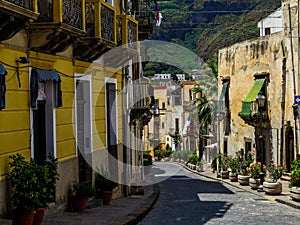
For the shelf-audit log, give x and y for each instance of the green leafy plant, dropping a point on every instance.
(275, 171)
(193, 159)
(147, 159)
(245, 161)
(233, 164)
(22, 181)
(254, 169)
(84, 189)
(295, 174)
(103, 183)
(224, 160)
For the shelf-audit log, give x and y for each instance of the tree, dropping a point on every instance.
(204, 103)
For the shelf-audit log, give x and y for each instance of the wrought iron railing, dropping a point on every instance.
(132, 34)
(28, 4)
(107, 22)
(72, 13)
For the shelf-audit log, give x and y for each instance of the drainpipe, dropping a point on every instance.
(294, 80)
(283, 88)
(298, 67)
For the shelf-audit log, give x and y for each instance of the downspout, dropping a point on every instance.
(294, 79)
(298, 68)
(283, 95)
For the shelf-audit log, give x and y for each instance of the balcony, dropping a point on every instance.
(139, 101)
(101, 31)
(15, 15)
(143, 14)
(59, 25)
(253, 117)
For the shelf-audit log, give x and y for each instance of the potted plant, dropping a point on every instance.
(104, 187)
(147, 162)
(223, 159)
(233, 164)
(272, 186)
(22, 180)
(47, 175)
(294, 183)
(254, 170)
(83, 191)
(245, 161)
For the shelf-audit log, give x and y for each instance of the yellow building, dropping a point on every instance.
(59, 97)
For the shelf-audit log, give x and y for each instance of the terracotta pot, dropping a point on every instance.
(24, 219)
(79, 203)
(272, 188)
(39, 216)
(243, 179)
(233, 177)
(295, 194)
(106, 197)
(254, 183)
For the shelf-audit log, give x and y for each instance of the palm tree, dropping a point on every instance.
(204, 105)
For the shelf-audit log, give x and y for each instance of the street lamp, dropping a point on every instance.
(261, 99)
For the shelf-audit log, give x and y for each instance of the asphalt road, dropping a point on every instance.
(187, 198)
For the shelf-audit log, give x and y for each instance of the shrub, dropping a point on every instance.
(84, 189)
(233, 164)
(147, 159)
(255, 168)
(295, 174)
(193, 159)
(275, 171)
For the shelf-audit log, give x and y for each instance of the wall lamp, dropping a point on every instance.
(21, 60)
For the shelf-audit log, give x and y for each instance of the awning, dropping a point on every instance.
(37, 76)
(246, 104)
(214, 145)
(3, 72)
(222, 96)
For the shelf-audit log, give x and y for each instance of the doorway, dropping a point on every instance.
(289, 148)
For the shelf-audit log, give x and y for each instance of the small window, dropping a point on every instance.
(163, 125)
(267, 30)
(177, 101)
(163, 105)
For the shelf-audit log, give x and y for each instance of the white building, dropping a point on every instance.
(271, 24)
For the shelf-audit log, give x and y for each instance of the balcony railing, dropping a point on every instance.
(100, 20)
(67, 11)
(128, 31)
(27, 4)
(139, 95)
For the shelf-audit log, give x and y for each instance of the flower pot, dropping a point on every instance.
(79, 203)
(106, 197)
(272, 188)
(39, 216)
(225, 174)
(243, 179)
(295, 194)
(254, 183)
(24, 219)
(233, 177)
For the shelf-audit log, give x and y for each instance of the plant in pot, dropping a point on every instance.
(254, 170)
(272, 186)
(147, 162)
(22, 180)
(104, 187)
(224, 160)
(83, 191)
(245, 161)
(294, 183)
(47, 175)
(233, 164)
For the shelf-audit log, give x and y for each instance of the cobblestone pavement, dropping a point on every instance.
(187, 199)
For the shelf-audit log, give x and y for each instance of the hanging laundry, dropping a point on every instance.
(158, 14)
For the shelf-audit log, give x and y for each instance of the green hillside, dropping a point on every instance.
(205, 26)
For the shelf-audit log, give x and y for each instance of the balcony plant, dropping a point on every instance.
(272, 186)
(105, 186)
(83, 191)
(294, 183)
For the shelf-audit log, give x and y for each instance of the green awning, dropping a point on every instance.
(222, 96)
(246, 104)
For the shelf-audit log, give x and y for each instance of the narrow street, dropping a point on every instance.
(187, 199)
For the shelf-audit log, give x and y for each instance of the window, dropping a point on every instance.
(267, 30)
(248, 146)
(163, 105)
(163, 125)
(177, 100)
(176, 125)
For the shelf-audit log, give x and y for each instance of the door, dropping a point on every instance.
(289, 148)
(83, 129)
(111, 128)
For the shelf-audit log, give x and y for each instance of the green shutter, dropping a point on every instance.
(222, 95)
(246, 104)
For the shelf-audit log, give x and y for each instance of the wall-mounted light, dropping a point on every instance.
(21, 60)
